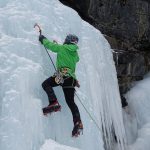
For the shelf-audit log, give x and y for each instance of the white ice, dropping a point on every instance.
(137, 121)
(50, 144)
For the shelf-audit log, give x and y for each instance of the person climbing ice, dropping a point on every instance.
(67, 57)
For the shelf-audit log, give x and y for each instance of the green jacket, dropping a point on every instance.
(67, 55)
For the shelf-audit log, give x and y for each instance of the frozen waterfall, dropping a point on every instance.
(24, 65)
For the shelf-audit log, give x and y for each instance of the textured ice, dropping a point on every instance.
(139, 102)
(24, 65)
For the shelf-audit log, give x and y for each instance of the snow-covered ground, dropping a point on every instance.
(50, 144)
(24, 65)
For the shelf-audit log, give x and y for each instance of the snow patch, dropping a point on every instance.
(52, 145)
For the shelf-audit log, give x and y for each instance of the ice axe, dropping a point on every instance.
(39, 28)
(40, 31)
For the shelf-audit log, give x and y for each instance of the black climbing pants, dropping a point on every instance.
(69, 91)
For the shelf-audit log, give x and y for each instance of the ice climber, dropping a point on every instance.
(67, 57)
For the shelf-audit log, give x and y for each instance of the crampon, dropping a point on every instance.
(78, 129)
(52, 108)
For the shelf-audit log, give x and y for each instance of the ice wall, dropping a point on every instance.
(137, 122)
(24, 65)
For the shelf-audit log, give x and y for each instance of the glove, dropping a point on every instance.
(41, 38)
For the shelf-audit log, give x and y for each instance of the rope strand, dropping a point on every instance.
(88, 112)
(50, 58)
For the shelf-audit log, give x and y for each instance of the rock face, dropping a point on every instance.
(126, 21)
(131, 66)
(126, 25)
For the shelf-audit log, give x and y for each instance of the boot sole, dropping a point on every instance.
(51, 110)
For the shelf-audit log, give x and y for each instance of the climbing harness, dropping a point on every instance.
(61, 75)
(58, 77)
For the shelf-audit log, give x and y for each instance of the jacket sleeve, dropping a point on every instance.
(54, 47)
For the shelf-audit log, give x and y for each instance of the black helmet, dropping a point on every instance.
(71, 39)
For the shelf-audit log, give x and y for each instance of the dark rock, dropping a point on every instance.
(128, 22)
(131, 66)
(80, 6)
(124, 101)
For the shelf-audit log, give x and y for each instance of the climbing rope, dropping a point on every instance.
(88, 112)
(50, 58)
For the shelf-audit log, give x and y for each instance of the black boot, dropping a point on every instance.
(53, 107)
(78, 128)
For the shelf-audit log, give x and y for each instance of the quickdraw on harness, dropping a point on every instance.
(58, 77)
(61, 75)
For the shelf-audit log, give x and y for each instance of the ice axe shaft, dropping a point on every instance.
(39, 28)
